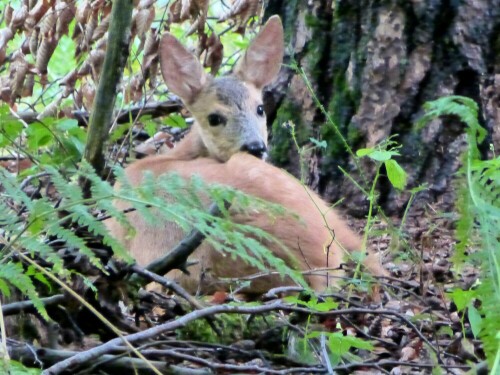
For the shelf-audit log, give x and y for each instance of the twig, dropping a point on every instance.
(177, 257)
(177, 289)
(30, 355)
(155, 109)
(92, 354)
(28, 306)
(96, 352)
(324, 354)
(169, 284)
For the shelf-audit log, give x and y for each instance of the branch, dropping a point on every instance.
(30, 355)
(28, 306)
(98, 351)
(155, 109)
(177, 257)
(114, 62)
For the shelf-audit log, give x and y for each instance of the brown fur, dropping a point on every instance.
(306, 239)
(212, 152)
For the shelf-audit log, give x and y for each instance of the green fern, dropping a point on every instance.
(29, 225)
(479, 206)
(188, 211)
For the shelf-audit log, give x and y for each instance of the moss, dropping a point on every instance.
(344, 96)
(282, 143)
(233, 327)
(316, 58)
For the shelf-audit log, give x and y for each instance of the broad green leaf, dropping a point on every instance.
(66, 124)
(475, 320)
(378, 155)
(396, 174)
(364, 151)
(10, 129)
(382, 155)
(150, 128)
(38, 136)
(461, 298)
(175, 121)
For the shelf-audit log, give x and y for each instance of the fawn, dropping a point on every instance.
(228, 110)
(226, 145)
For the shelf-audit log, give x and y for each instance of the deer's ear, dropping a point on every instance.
(181, 70)
(262, 60)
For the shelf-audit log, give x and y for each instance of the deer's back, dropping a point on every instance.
(305, 238)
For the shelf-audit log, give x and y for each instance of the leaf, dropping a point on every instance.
(38, 136)
(175, 121)
(150, 128)
(364, 152)
(475, 320)
(321, 144)
(378, 155)
(461, 298)
(396, 174)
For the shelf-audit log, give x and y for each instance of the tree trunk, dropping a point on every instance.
(373, 64)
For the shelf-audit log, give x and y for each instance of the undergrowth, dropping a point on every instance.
(31, 225)
(478, 203)
(479, 208)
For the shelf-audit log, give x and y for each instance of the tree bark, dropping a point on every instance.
(373, 64)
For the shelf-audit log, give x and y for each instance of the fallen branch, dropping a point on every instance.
(177, 257)
(112, 345)
(34, 356)
(28, 306)
(155, 109)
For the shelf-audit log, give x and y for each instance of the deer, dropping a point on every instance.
(227, 145)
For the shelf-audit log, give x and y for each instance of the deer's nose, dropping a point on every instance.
(257, 149)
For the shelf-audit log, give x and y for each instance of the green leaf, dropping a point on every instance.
(150, 128)
(396, 174)
(461, 298)
(382, 155)
(38, 136)
(175, 121)
(328, 305)
(321, 144)
(475, 320)
(340, 344)
(9, 126)
(378, 155)
(364, 151)
(66, 124)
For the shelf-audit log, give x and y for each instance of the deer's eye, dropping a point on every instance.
(214, 119)
(260, 110)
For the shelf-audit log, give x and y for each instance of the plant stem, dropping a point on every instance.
(116, 55)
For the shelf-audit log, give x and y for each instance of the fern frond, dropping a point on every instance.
(479, 206)
(172, 198)
(14, 274)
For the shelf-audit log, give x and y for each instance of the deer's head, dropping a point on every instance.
(228, 110)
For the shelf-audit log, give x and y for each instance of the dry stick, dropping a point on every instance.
(98, 351)
(169, 284)
(29, 355)
(177, 257)
(28, 306)
(154, 109)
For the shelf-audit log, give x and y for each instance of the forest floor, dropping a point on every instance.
(405, 324)
(408, 323)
